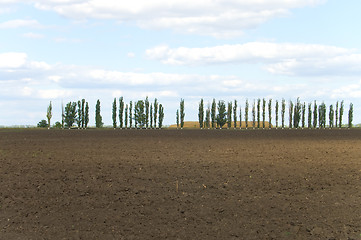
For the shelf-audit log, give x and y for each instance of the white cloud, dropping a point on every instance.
(131, 55)
(18, 23)
(221, 18)
(33, 35)
(278, 58)
(12, 60)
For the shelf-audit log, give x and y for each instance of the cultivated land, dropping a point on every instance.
(173, 184)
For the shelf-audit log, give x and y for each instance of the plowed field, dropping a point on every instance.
(180, 184)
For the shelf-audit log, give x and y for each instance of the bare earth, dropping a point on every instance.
(173, 184)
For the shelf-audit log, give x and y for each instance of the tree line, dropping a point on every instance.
(216, 115)
(143, 114)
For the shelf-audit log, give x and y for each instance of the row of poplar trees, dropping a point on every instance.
(145, 114)
(316, 114)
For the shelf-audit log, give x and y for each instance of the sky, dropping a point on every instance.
(66, 50)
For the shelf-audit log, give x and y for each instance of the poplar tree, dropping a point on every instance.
(182, 114)
(240, 117)
(208, 116)
(330, 116)
(315, 114)
(297, 113)
(341, 114)
(49, 114)
(130, 114)
(258, 112)
(213, 113)
(155, 110)
(177, 118)
(254, 114)
(201, 114)
(146, 103)
(309, 115)
(121, 111)
(98, 117)
(336, 112)
(126, 116)
(269, 113)
(350, 116)
(78, 120)
(283, 110)
(235, 115)
(276, 112)
(246, 113)
(83, 113)
(86, 115)
(303, 114)
(222, 114)
(263, 113)
(161, 116)
(151, 115)
(62, 115)
(229, 115)
(70, 114)
(322, 114)
(290, 113)
(139, 114)
(114, 113)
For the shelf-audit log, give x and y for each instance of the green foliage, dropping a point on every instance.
(49, 114)
(290, 112)
(78, 119)
(263, 113)
(57, 125)
(126, 116)
(350, 116)
(139, 114)
(303, 114)
(297, 113)
(86, 117)
(114, 113)
(283, 110)
(208, 117)
(151, 116)
(221, 116)
(269, 113)
(98, 117)
(315, 114)
(43, 124)
(201, 113)
(276, 112)
(235, 114)
(155, 112)
(161, 116)
(240, 117)
(246, 109)
(341, 114)
(70, 114)
(213, 113)
(258, 112)
(146, 103)
(177, 118)
(254, 114)
(83, 113)
(229, 115)
(182, 114)
(336, 112)
(309, 115)
(330, 116)
(62, 115)
(130, 114)
(121, 111)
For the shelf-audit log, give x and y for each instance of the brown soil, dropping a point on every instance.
(173, 184)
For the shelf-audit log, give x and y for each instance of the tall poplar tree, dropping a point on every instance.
(146, 103)
(235, 115)
(98, 117)
(297, 113)
(303, 114)
(290, 111)
(126, 116)
(222, 114)
(78, 120)
(330, 116)
(62, 115)
(263, 113)
(269, 113)
(213, 113)
(240, 117)
(341, 114)
(161, 116)
(182, 114)
(114, 113)
(309, 115)
(208, 116)
(70, 114)
(177, 118)
(130, 114)
(139, 114)
(246, 109)
(49, 114)
(276, 112)
(201, 113)
(258, 112)
(350, 116)
(229, 115)
(283, 110)
(254, 114)
(151, 116)
(86, 115)
(155, 110)
(121, 111)
(315, 115)
(336, 112)
(83, 113)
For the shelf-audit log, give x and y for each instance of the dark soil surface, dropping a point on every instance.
(173, 184)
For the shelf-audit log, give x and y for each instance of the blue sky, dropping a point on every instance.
(65, 50)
